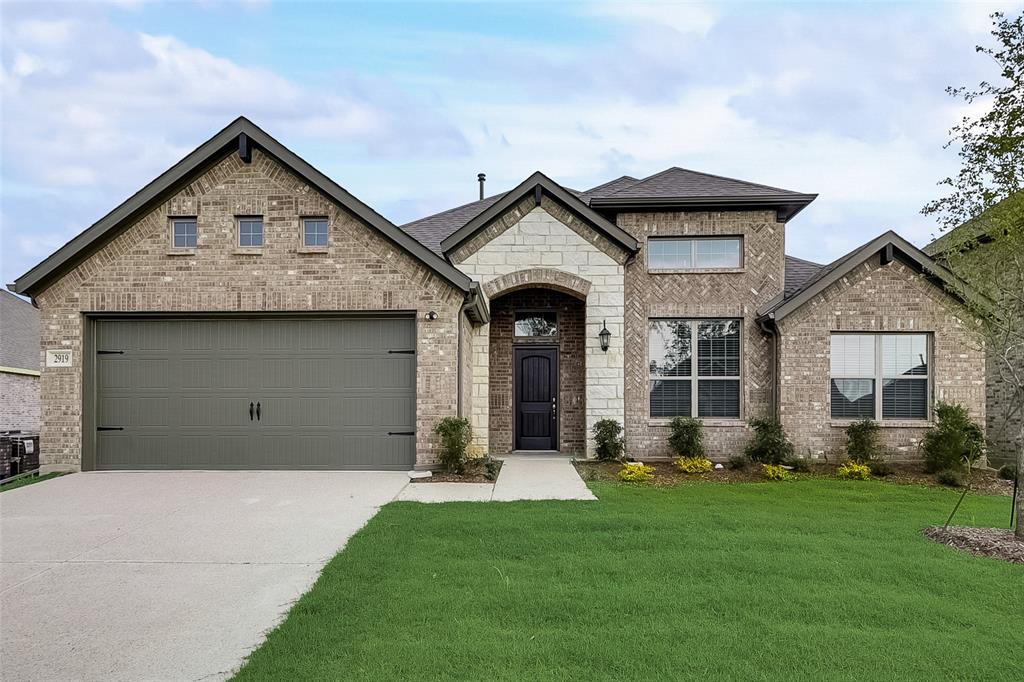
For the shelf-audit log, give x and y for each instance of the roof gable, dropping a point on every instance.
(539, 185)
(240, 135)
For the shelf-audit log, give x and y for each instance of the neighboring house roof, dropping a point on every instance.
(889, 244)
(19, 333)
(977, 228)
(241, 134)
(539, 184)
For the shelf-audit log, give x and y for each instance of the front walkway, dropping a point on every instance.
(522, 477)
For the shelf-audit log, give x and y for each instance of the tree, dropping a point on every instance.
(982, 216)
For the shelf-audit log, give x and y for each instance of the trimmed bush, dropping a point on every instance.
(776, 472)
(954, 478)
(862, 441)
(693, 465)
(687, 437)
(610, 444)
(769, 444)
(456, 434)
(738, 462)
(636, 472)
(1007, 472)
(954, 441)
(853, 471)
(799, 464)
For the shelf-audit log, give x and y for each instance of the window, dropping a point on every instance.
(707, 253)
(314, 232)
(709, 387)
(536, 323)
(250, 231)
(896, 362)
(184, 233)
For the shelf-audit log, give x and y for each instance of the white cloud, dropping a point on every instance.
(682, 17)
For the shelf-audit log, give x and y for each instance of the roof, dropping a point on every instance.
(539, 184)
(240, 135)
(671, 188)
(19, 333)
(889, 244)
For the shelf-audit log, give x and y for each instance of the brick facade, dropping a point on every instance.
(571, 312)
(19, 402)
(137, 271)
(735, 294)
(873, 298)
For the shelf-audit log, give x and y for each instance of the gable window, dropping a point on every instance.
(896, 363)
(184, 233)
(696, 253)
(250, 231)
(694, 368)
(314, 231)
(543, 323)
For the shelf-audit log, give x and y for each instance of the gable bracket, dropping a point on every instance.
(886, 254)
(538, 194)
(244, 148)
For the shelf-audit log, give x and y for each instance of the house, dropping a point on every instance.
(19, 364)
(245, 311)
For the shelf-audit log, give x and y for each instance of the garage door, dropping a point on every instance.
(280, 393)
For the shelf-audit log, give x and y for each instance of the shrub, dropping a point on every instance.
(776, 472)
(862, 441)
(492, 467)
(799, 464)
(951, 477)
(636, 472)
(1007, 472)
(687, 437)
(738, 462)
(954, 440)
(455, 433)
(853, 471)
(608, 437)
(880, 468)
(693, 465)
(769, 444)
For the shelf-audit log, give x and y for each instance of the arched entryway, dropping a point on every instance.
(537, 372)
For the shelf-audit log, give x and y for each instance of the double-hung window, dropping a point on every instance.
(694, 368)
(694, 253)
(880, 374)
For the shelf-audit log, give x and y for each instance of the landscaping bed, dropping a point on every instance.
(983, 481)
(479, 470)
(996, 543)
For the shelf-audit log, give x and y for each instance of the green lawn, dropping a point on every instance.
(29, 480)
(810, 580)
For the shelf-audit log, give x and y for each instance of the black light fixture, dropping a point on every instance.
(605, 336)
(431, 316)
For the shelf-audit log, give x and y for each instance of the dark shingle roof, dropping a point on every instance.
(799, 273)
(678, 183)
(608, 188)
(434, 229)
(19, 333)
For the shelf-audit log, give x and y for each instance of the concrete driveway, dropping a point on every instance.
(165, 575)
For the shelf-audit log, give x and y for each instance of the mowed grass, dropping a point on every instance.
(813, 580)
(29, 480)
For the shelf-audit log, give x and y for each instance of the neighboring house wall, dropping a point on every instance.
(19, 402)
(136, 272)
(735, 295)
(547, 236)
(873, 298)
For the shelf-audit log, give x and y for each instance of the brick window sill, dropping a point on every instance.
(248, 251)
(181, 252)
(888, 423)
(313, 250)
(707, 422)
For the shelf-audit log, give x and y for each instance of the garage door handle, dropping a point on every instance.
(250, 411)
(110, 428)
(257, 411)
(402, 352)
(401, 433)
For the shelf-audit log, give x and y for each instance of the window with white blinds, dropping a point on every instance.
(694, 368)
(898, 363)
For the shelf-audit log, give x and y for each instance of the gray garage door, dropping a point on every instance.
(255, 394)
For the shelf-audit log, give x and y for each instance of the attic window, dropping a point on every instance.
(184, 233)
(250, 231)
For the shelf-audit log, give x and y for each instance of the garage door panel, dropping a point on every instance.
(328, 389)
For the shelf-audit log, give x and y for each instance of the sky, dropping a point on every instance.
(403, 104)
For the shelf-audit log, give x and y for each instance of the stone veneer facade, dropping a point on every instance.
(138, 272)
(874, 298)
(547, 238)
(735, 294)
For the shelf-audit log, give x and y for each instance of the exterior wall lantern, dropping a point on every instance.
(431, 316)
(605, 336)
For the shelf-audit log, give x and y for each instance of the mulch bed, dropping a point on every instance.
(474, 471)
(997, 543)
(983, 481)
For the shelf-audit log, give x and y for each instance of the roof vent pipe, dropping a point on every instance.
(481, 178)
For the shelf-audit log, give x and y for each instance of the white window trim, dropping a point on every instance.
(879, 378)
(694, 377)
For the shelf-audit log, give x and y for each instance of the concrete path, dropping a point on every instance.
(522, 477)
(165, 575)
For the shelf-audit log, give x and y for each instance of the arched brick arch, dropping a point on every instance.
(538, 277)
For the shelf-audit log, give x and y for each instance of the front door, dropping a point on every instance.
(536, 397)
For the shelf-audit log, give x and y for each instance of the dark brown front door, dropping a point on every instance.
(536, 396)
